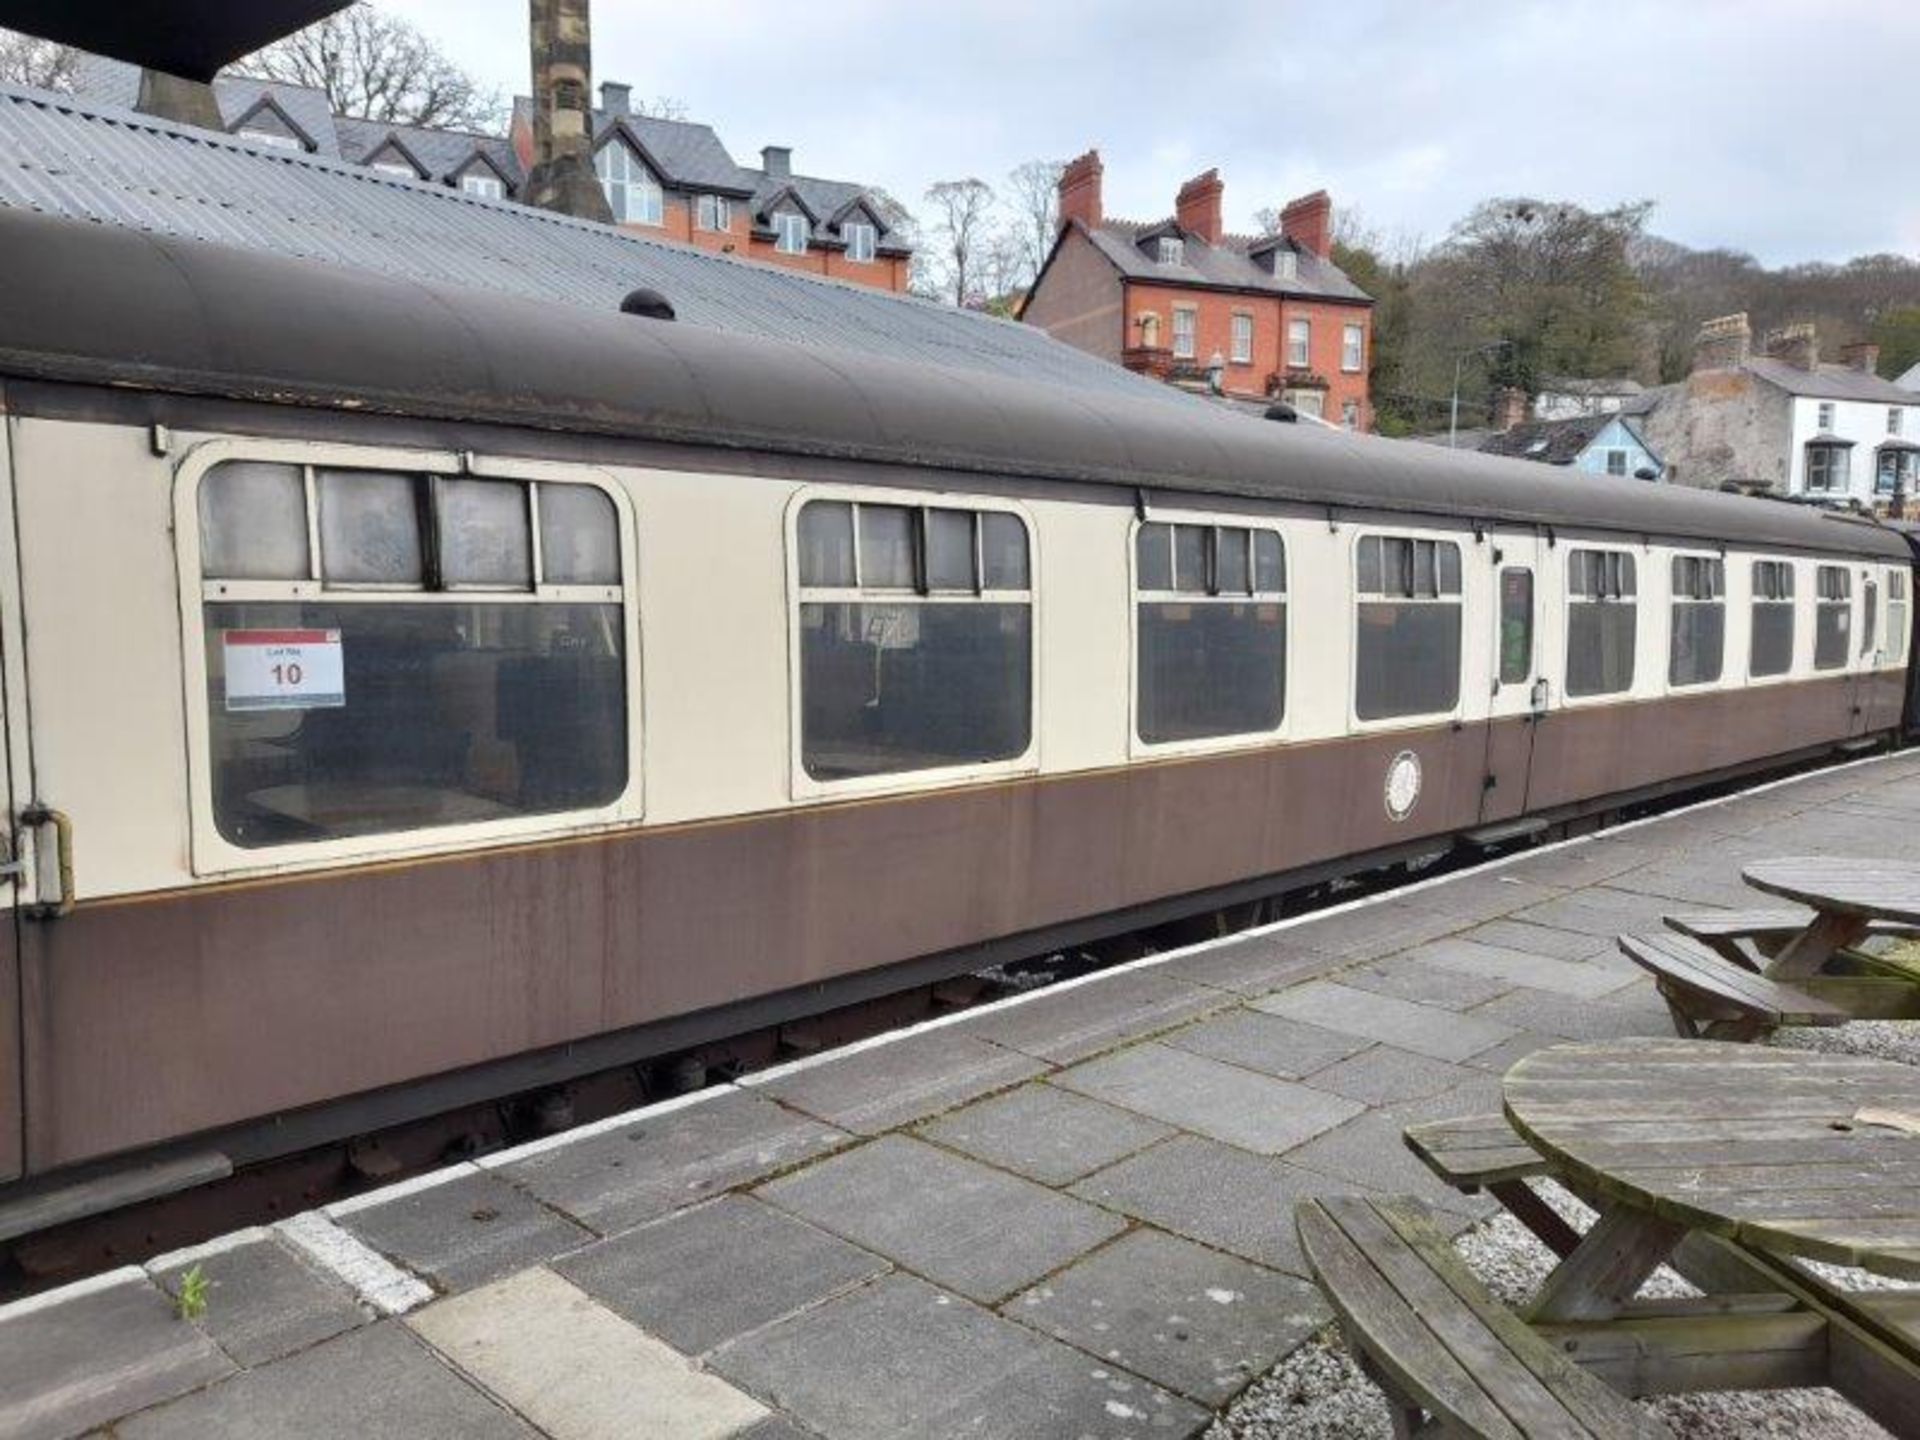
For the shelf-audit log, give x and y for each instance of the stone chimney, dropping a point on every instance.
(615, 98)
(1796, 345)
(1197, 207)
(1723, 344)
(562, 177)
(777, 161)
(1511, 406)
(173, 97)
(1861, 355)
(1080, 191)
(1308, 222)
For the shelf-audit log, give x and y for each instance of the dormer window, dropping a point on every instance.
(861, 240)
(1173, 250)
(483, 184)
(400, 168)
(714, 212)
(633, 194)
(1286, 264)
(269, 137)
(790, 233)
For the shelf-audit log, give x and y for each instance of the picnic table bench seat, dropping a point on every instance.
(1712, 998)
(1451, 1358)
(1728, 933)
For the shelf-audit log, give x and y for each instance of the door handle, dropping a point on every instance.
(1542, 689)
(35, 816)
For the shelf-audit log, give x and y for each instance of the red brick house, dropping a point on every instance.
(1180, 298)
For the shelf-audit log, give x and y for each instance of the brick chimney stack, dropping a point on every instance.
(562, 178)
(1308, 222)
(1723, 344)
(1861, 355)
(1511, 406)
(1197, 207)
(1796, 345)
(1080, 191)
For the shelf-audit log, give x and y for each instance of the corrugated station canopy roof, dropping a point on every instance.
(191, 38)
(98, 304)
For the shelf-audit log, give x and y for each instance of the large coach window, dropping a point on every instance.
(1212, 622)
(415, 668)
(916, 638)
(1698, 636)
(1601, 617)
(1407, 627)
(1832, 616)
(1772, 652)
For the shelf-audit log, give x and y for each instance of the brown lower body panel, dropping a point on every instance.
(152, 1018)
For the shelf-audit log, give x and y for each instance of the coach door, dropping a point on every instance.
(1519, 695)
(15, 884)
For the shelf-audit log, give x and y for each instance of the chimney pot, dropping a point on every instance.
(1511, 407)
(1796, 345)
(615, 98)
(1080, 191)
(1723, 343)
(1197, 207)
(777, 161)
(1861, 355)
(1308, 222)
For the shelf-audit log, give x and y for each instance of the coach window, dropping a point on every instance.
(1407, 627)
(1516, 625)
(916, 638)
(1869, 615)
(1698, 634)
(387, 651)
(1832, 616)
(1601, 616)
(1211, 623)
(1896, 616)
(1772, 652)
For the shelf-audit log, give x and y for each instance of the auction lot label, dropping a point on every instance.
(284, 669)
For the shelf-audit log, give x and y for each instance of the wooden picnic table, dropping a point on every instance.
(1847, 894)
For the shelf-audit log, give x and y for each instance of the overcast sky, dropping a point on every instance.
(1783, 127)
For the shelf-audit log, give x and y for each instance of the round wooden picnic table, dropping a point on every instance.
(1766, 1147)
(1847, 895)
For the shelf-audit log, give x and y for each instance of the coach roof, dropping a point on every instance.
(95, 304)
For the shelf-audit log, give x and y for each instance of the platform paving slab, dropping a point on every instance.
(1496, 963)
(1407, 977)
(1385, 1075)
(1218, 1195)
(1254, 1040)
(1044, 1133)
(1199, 1322)
(704, 1276)
(1425, 1029)
(1210, 1097)
(575, 1369)
(378, 1380)
(263, 1301)
(465, 1233)
(1083, 1020)
(1253, 964)
(1382, 928)
(902, 1360)
(1369, 1152)
(619, 1178)
(894, 1085)
(67, 1367)
(961, 1224)
(1634, 1010)
(1531, 939)
(1599, 911)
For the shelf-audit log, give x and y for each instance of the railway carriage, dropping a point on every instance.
(413, 695)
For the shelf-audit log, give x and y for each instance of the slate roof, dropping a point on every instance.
(112, 167)
(1830, 382)
(1554, 442)
(1238, 262)
(446, 154)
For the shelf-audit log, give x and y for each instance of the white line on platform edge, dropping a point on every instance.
(400, 1189)
(93, 1284)
(369, 1274)
(604, 1124)
(194, 1254)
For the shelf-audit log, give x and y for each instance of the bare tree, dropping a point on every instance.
(660, 107)
(961, 213)
(1033, 195)
(36, 64)
(378, 67)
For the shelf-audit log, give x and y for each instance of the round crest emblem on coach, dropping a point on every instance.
(1403, 784)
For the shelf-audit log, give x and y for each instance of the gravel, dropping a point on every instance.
(1882, 1039)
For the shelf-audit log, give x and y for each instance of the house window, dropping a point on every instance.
(1299, 342)
(861, 239)
(1211, 620)
(1894, 416)
(1772, 650)
(633, 194)
(1173, 250)
(790, 233)
(1601, 619)
(484, 184)
(1826, 468)
(1353, 348)
(424, 665)
(1349, 414)
(1616, 462)
(1184, 320)
(1242, 339)
(1823, 416)
(714, 212)
(1406, 627)
(1698, 630)
(1832, 616)
(916, 638)
(1312, 403)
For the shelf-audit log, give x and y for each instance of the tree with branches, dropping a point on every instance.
(36, 64)
(1033, 198)
(962, 217)
(378, 67)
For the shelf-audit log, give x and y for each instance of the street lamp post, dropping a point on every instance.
(1453, 419)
